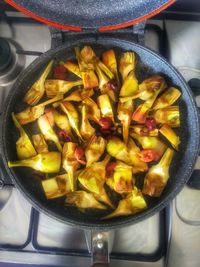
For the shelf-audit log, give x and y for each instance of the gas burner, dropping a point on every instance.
(11, 64)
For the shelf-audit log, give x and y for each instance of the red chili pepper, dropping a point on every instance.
(59, 72)
(80, 155)
(148, 155)
(110, 167)
(150, 123)
(64, 136)
(105, 123)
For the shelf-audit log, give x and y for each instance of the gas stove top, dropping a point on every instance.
(27, 236)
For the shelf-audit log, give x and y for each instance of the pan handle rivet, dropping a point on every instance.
(99, 236)
(100, 244)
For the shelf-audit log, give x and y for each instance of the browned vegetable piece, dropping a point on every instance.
(86, 130)
(87, 71)
(167, 98)
(140, 114)
(37, 90)
(122, 179)
(31, 114)
(73, 116)
(24, 147)
(61, 120)
(128, 154)
(90, 57)
(127, 64)
(104, 84)
(48, 131)
(92, 179)
(70, 163)
(109, 60)
(40, 143)
(95, 149)
(105, 107)
(83, 200)
(151, 85)
(130, 205)
(158, 175)
(151, 142)
(169, 115)
(57, 186)
(144, 131)
(55, 87)
(93, 109)
(45, 162)
(125, 111)
(73, 67)
(170, 135)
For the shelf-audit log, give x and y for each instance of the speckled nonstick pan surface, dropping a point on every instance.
(149, 63)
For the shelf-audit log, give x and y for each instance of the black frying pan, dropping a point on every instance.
(149, 63)
(101, 14)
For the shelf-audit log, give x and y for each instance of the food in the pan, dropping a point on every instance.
(105, 139)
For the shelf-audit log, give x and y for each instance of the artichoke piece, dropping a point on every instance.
(90, 57)
(122, 180)
(92, 109)
(87, 70)
(61, 120)
(87, 93)
(57, 186)
(70, 163)
(48, 131)
(86, 130)
(45, 162)
(95, 149)
(40, 143)
(105, 107)
(130, 86)
(127, 64)
(55, 87)
(124, 115)
(24, 147)
(83, 200)
(132, 204)
(92, 179)
(109, 60)
(37, 90)
(158, 175)
(144, 131)
(142, 110)
(151, 142)
(31, 114)
(104, 84)
(167, 98)
(73, 116)
(72, 67)
(170, 135)
(169, 115)
(151, 85)
(128, 154)
(75, 96)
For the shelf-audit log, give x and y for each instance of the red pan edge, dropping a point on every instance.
(73, 28)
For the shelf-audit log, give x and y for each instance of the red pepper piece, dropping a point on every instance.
(150, 123)
(148, 155)
(80, 155)
(110, 167)
(59, 72)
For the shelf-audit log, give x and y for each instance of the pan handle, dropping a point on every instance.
(99, 244)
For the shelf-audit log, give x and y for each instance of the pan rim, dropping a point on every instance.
(103, 225)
